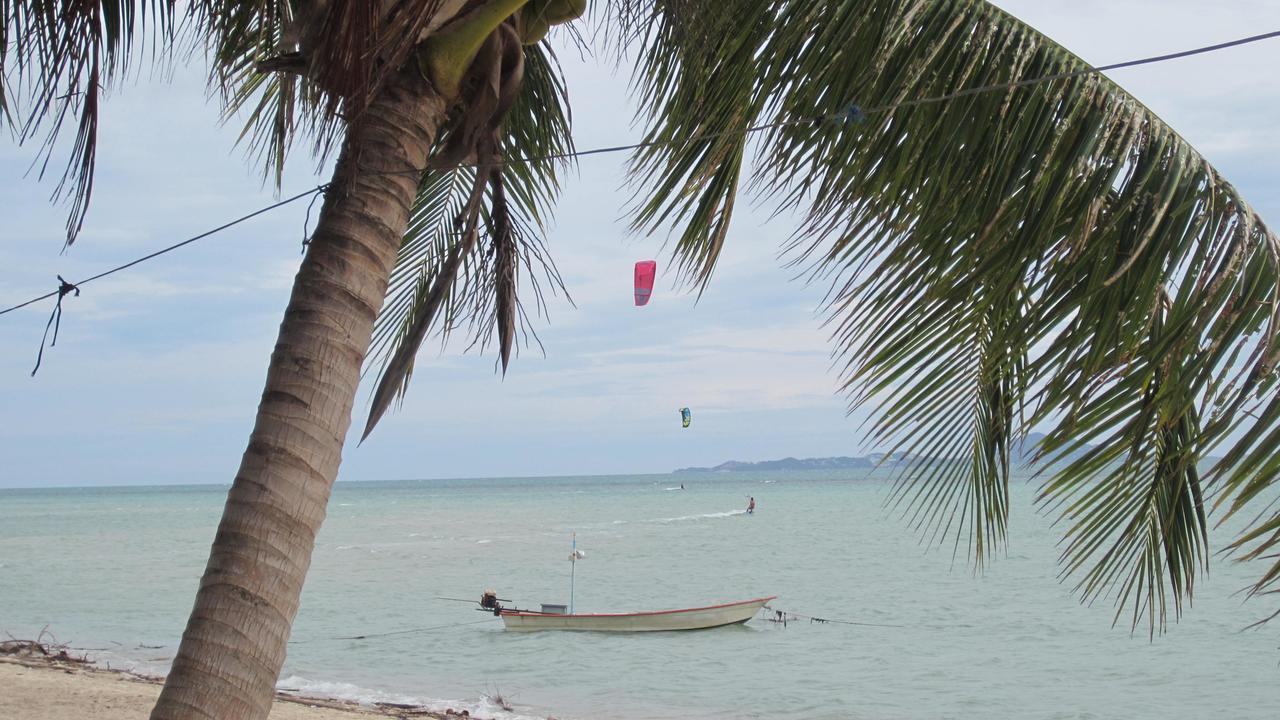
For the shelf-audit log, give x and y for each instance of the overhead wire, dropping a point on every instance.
(852, 112)
(175, 246)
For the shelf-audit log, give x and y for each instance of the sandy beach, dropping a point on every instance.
(38, 689)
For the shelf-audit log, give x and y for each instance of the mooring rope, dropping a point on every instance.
(783, 616)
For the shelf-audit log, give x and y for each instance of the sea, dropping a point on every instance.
(912, 629)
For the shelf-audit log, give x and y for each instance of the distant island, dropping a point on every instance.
(865, 462)
(1021, 456)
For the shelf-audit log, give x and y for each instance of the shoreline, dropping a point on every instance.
(64, 687)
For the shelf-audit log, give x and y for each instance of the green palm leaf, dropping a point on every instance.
(305, 69)
(481, 294)
(1135, 498)
(63, 57)
(700, 99)
(1031, 255)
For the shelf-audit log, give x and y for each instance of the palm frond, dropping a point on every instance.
(1044, 254)
(1134, 499)
(505, 269)
(949, 415)
(1258, 543)
(433, 297)
(59, 59)
(699, 93)
(305, 69)
(482, 288)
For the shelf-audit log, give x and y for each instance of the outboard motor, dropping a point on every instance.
(489, 601)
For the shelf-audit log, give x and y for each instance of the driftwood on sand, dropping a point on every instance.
(40, 650)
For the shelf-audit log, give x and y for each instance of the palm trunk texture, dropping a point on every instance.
(235, 641)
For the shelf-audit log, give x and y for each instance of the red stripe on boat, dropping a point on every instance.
(637, 614)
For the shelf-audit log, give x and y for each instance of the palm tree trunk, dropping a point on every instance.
(235, 641)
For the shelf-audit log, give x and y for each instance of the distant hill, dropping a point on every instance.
(786, 464)
(1021, 456)
(866, 462)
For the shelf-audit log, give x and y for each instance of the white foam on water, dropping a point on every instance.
(157, 665)
(483, 542)
(481, 708)
(704, 516)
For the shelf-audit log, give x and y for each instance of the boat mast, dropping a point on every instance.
(574, 556)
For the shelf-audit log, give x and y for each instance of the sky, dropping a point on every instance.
(157, 371)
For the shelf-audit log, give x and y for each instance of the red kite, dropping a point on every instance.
(645, 270)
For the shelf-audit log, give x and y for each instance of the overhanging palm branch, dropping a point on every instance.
(1051, 254)
(1148, 511)
(707, 90)
(474, 231)
(57, 60)
(306, 69)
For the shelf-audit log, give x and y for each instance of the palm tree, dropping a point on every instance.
(1004, 252)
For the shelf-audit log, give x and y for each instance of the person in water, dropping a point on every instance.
(751, 506)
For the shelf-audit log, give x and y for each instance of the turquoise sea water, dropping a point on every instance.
(115, 570)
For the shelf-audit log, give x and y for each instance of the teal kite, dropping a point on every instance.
(685, 417)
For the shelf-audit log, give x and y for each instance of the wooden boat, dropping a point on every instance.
(685, 619)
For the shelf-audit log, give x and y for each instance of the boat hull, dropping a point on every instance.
(658, 621)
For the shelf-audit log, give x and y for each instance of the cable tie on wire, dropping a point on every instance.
(55, 319)
(306, 223)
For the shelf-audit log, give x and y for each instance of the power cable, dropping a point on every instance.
(853, 112)
(175, 246)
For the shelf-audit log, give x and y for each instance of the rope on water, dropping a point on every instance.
(783, 616)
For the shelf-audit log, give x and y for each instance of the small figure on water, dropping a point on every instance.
(751, 506)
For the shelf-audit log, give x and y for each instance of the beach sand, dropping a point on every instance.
(38, 689)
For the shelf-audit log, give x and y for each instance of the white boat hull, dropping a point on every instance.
(686, 619)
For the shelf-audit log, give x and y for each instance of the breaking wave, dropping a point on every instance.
(483, 707)
(704, 516)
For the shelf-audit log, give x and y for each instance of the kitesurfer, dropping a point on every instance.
(751, 506)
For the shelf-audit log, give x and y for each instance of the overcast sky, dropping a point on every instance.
(158, 370)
